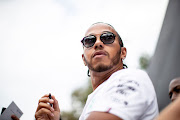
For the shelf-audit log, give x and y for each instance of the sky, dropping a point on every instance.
(40, 49)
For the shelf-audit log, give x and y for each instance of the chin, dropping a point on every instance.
(102, 68)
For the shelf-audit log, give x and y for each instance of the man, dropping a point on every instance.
(118, 93)
(174, 89)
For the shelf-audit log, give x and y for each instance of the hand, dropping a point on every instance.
(14, 117)
(45, 111)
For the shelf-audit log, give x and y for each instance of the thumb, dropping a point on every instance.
(14, 117)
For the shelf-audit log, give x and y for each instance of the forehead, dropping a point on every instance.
(174, 83)
(99, 28)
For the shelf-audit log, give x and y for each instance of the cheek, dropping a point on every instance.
(113, 52)
(87, 54)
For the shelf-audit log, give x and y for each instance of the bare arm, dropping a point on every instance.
(102, 116)
(171, 112)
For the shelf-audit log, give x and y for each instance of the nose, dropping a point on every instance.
(98, 44)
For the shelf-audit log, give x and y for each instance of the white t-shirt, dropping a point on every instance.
(128, 94)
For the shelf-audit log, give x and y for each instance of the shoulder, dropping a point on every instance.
(136, 78)
(130, 74)
(130, 71)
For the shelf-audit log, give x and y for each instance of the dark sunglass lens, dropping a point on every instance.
(107, 38)
(89, 41)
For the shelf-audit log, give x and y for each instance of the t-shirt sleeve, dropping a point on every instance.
(127, 97)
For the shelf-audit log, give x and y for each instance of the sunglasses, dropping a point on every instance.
(106, 38)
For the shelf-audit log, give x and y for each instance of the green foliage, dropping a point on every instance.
(68, 115)
(144, 61)
(79, 97)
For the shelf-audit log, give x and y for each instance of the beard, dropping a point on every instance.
(101, 67)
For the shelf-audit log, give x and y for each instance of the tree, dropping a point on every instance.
(144, 61)
(79, 97)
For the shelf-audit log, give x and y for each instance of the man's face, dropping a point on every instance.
(101, 57)
(174, 89)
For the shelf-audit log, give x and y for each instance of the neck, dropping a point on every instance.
(98, 78)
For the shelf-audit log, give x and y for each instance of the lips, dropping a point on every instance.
(99, 53)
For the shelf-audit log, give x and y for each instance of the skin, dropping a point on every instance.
(45, 111)
(174, 89)
(171, 112)
(111, 51)
(14, 117)
(111, 59)
(102, 60)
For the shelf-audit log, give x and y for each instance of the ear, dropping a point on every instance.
(123, 53)
(84, 60)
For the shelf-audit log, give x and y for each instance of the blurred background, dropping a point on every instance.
(40, 49)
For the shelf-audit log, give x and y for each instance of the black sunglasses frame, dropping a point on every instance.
(101, 38)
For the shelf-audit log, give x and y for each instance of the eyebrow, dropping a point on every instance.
(177, 87)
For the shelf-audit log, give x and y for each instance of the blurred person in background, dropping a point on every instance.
(174, 89)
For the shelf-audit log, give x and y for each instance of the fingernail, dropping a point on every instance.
(52, 114)
(51, 100)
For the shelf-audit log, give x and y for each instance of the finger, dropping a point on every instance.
(44, 105)
(44, 112)
(46, 95)
(46, 100)
(14, 117)
(55, 104)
